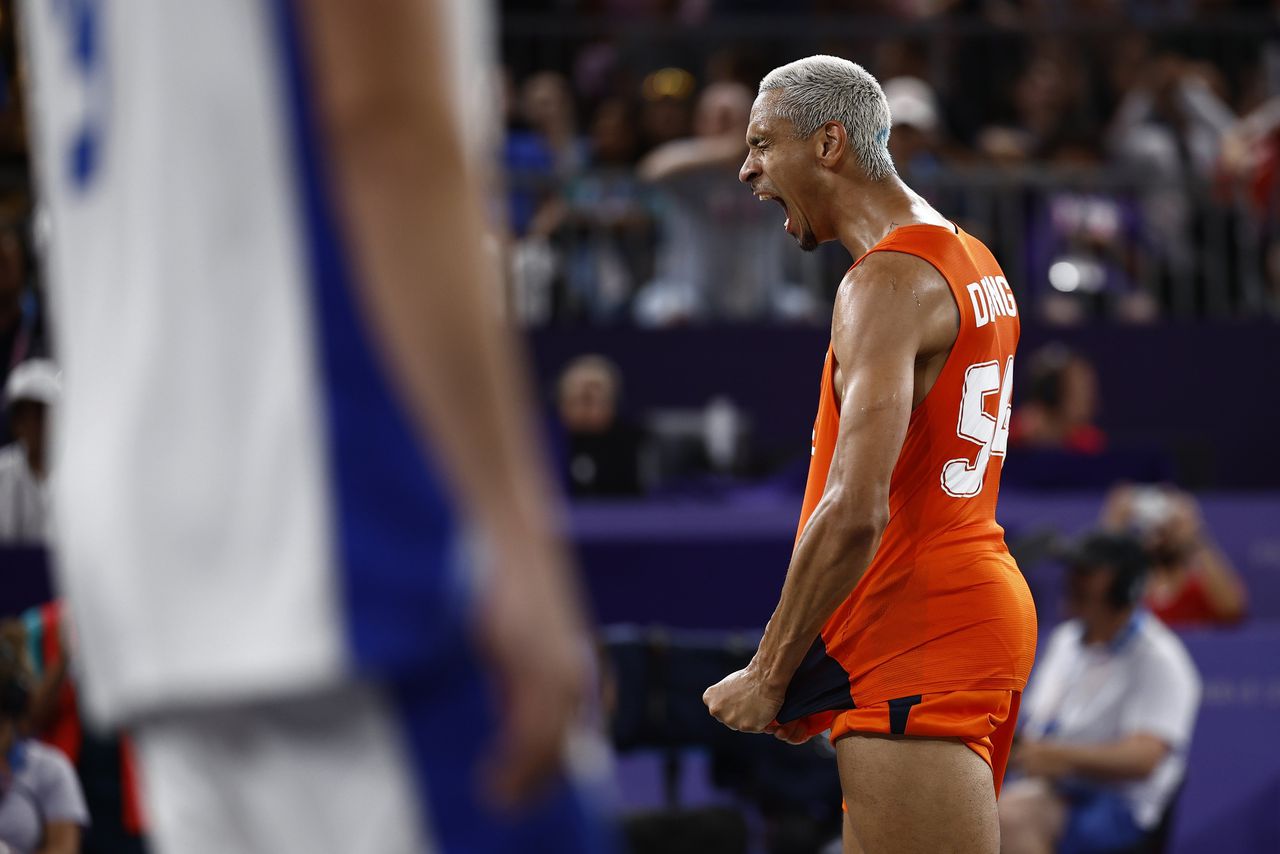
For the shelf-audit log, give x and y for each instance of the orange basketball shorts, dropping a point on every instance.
(983, 720)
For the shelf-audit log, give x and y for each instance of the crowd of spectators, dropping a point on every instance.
(1118, 168)
(1118, 155)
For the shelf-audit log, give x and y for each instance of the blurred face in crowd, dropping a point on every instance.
(12, 275)
(907, 143)
(786, 170)
(613, 133)
(546, 103)
(1046, 92)
(588, 398)
(723, 110)
(27, 421)
(1079, 403)
(13, 668)
(1087, 589)
(664, 119)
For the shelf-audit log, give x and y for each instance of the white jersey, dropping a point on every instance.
(242, 504)
(1142, 682)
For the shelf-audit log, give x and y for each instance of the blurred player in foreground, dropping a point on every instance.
(304, 530)
(904, 626)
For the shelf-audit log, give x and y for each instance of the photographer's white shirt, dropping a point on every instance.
(1143, 681)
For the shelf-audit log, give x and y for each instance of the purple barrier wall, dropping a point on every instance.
(24, 579)
(1191, 390)
(720, 565)
(1231, 800)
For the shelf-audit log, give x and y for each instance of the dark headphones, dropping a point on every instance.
(1123, 555)
(15, 687)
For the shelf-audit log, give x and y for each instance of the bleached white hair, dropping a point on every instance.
(820, 89)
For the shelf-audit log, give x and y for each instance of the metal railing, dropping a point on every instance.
(1111, 243)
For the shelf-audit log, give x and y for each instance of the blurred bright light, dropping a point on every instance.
(668, 83)
(1064, 276)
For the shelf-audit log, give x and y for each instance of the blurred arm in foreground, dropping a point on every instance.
(412, 195)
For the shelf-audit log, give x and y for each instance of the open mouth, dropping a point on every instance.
(767, 197)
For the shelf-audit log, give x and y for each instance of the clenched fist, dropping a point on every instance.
(741, 701)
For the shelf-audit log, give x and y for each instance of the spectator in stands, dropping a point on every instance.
(722, 252)
(42, 809)
(1251, 162)
(32, 389)
(914, 142)
(542, 151)
(1048, 98)
(666, 112)
(1107, 717)
(1192, 582)
(1170, 128)
(602, 450)
(1174, 120)
(1061, 404)
(21, 329)
(609, 227)
(104, 762)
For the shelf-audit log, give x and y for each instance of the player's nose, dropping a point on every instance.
(750, 170)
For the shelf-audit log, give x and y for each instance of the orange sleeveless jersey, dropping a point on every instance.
(942, 607)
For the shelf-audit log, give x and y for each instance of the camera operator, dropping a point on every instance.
(1107, 718)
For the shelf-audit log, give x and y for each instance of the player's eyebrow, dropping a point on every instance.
(754, 139)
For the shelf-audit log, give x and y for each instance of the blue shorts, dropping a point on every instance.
(1098, 821)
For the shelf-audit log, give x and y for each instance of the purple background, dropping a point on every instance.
(719, 565)
(1200, 393)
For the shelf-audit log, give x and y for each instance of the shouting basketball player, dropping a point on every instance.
(904, 626)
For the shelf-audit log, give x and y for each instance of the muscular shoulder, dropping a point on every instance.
(899, 297)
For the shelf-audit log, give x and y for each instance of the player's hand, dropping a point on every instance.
(533, 632)
(742, 701)
(1185, 526)
(1039, 759)
(1117, 509)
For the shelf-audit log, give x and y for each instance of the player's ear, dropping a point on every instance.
(832, 143)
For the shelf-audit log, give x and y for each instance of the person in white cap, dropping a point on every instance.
(32, 389)
(917, 125)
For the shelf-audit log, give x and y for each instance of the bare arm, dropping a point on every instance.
(878, 333)
(412, 203)
(1222, 585)
(685, 155)
(61, 837)
(875, 337)
(1133, 757)
(410, 200)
